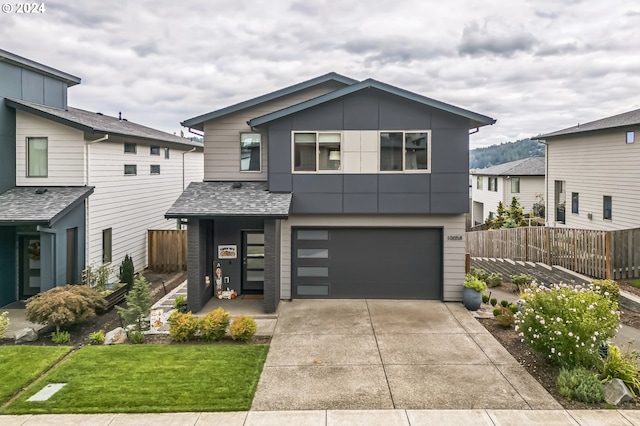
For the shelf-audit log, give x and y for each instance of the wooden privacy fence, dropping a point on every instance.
(598, 254)
(584, 251)
(167, 250)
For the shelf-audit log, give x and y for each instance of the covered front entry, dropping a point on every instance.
(373, 263)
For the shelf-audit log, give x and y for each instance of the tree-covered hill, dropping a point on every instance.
(507, 151)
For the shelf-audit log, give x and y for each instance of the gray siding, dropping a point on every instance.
(8, 262)
(443, 190)
(75, 218)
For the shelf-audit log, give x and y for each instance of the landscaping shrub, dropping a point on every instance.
(607, 288)
(64, 305)
(139, 302)
(136, 337)
(474, 283)
(4, 324)
(522, 281)
(214, 325)
(504, 303)
(567, 323)
(481, 274)
(243, 328)
(505, 318)
(497, 311)
(127, 271)
(494, 279)
(623, 367)
(182, 326)
(96, 338)
(60, 337)
(513, 307)
(493, 301)
(485, 298)
(580, 384)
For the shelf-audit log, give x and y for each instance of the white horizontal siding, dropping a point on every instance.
(130, 205)
(453, 250)
(222, 136)
(65, 151)
(489, 199)
(595, 165)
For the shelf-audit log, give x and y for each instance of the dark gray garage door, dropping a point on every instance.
(375, 263)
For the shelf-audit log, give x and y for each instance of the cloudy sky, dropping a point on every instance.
(534, 65)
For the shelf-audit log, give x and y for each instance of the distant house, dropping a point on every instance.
(593, 177)
(331, 188)
(77, 187)
(523, 179)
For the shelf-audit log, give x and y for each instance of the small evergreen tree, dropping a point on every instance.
(516, 214)
(139, 303)
(127, 271)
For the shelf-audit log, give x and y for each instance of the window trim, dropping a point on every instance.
(631, 137)
(604, 209)
(151, 166)
(135, 168)
(261, 149)
(27, 140)
(151, 149)
(317, 170)
(404, 152)
(135, 148)
(513, 180)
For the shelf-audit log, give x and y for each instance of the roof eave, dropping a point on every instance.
(71, 206)
(11, 103)
(69, 79)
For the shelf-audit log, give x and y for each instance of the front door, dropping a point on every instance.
(29, 266)
(252, 262)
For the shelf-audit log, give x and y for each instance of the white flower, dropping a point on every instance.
(595, 333)
(570, 334)
(553, 350)
(558, 319)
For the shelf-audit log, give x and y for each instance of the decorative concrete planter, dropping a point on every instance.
(471, 299)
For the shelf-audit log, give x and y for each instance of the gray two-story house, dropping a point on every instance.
(331, 188)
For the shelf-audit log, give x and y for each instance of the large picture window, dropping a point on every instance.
(250, 158)
(403, 151)
(37, 157)
(316, 151)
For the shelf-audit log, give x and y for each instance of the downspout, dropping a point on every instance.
(183, 154)
(87, 182)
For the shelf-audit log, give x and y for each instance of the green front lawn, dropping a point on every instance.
(152, 378)
(20, 365)
(635, 282)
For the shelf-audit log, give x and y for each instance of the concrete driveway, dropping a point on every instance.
(384, 354)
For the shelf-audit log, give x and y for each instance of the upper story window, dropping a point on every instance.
(250, 158)
(631, 137)
(479, 182)
(607, 206)
(316, 151)
(155, 150)
(130, 148)
(404, 151)
(154, 169)
(37, 157)
(515, 185)
(493, 184)
(166, 153)
(130, 169)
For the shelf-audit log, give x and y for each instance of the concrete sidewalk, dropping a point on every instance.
(341, 417)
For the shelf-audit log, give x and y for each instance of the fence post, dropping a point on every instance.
(607, 254)
(547, 245)
(526, 243)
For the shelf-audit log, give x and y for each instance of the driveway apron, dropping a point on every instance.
(383, 354)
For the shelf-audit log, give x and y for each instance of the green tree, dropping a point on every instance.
(516, 213)
(127, 271)
(139, 302)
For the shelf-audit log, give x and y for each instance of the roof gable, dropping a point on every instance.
(630, 118)
(21, 62)
(197, 122)
(476, 120)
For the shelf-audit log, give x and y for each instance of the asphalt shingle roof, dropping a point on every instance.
(533, 166)
(93, 122)
(22, 204)
(206, 199)
(630, 118)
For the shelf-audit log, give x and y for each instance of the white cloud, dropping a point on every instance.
(536, 66)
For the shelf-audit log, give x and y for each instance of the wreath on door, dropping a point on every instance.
(34, 250)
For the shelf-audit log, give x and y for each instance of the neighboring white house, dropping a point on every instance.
(137, 173)
(523, 179)
(593, 177)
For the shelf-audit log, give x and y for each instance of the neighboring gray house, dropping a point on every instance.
(523, 179)
(331, 188)
(76, 187)
(593, 175)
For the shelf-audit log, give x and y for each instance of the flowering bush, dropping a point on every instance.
(567, 323)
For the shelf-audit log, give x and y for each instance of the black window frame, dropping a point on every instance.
(129, 145)
(135, 169)
(151, 166)
(515, 180)
(154, 150)
(494, 187)
(607, 207)
(107, 245)
(575, 202)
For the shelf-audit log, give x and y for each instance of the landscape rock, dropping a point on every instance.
(116, 336)
(26, 335)
(616, 392)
